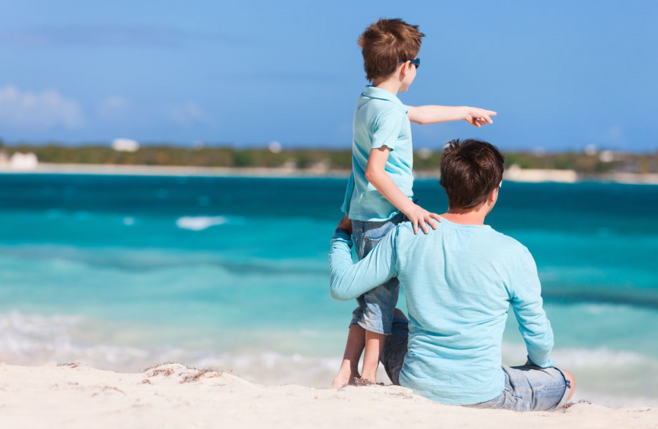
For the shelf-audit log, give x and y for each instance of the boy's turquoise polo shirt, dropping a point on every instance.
(380, 119)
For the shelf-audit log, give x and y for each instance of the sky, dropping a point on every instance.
(561, 74)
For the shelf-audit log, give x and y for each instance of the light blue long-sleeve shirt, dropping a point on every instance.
(459, 281)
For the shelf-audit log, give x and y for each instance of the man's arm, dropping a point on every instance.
(424, 115)
(349, 280)
(527, 303)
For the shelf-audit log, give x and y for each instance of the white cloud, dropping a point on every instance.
(113, 107)
(189, 114)
(45, 109)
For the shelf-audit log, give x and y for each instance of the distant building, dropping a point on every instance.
(590, 149)
(424, 153)
(4, 160)
(517, 174)
(274, 147)
(607, 156)
(24, 161)
(125, 145)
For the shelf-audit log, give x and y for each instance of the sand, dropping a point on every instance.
(512, 174)
(175, 396)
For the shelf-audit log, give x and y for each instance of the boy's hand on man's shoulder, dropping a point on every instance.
(418, 216)
(478, 117)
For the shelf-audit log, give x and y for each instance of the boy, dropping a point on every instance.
(379, 193)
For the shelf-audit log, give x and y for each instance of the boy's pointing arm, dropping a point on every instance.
(424, 115)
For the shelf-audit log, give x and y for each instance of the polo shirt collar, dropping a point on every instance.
(382, 94)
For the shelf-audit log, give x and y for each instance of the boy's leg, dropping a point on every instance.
(349, 368)
(356, 339)
(379, 303)
(377, 321)
(374, 346)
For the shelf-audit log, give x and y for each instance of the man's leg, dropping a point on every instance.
(395, 347)
(349, 368)
(531, 388)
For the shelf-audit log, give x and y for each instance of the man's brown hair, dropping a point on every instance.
(387, 42)
(470, 171)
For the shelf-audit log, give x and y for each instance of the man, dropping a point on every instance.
(459, 281)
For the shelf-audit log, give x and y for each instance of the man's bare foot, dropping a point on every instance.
(344, 377)
(572, 382)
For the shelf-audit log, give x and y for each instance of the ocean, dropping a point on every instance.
(126, 272)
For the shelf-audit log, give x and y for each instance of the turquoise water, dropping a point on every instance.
(127, 272)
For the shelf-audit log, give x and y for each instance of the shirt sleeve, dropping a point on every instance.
(387, 128)
(527, 304)
(350, 280)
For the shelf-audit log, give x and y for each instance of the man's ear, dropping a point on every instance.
(493, 197)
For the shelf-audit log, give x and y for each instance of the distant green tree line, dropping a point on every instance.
(210, 156)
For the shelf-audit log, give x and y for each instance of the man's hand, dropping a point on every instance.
(346, 224)
(478, 117)
(421, 217)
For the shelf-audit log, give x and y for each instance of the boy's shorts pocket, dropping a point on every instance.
(367, 235)
(371, 238)
(376, 235)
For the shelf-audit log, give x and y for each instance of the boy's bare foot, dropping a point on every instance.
(345, 377)
(369, 374)
(361, 381)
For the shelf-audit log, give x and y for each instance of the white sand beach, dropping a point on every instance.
(512, 174)
(175, 396)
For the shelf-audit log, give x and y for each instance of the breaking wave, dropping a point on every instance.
(199, 223)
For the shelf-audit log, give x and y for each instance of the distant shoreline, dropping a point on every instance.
(172, 170)
(523, 176)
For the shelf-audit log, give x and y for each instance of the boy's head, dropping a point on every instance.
(471, 173)
(385, 44)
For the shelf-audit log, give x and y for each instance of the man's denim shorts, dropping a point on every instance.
(527, 387)
(375, 310)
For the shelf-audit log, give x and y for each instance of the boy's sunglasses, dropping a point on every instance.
(415, 62)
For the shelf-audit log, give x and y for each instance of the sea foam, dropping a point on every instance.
(33, 339)
(199, 223)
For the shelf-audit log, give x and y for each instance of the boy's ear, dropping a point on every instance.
(404, 68)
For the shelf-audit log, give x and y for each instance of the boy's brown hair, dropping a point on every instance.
(387, 42)
(470, 171)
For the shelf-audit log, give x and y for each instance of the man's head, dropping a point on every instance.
(387, 46)
(471, 174)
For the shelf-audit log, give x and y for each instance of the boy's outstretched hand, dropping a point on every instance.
(421, 217)
(478, 117)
